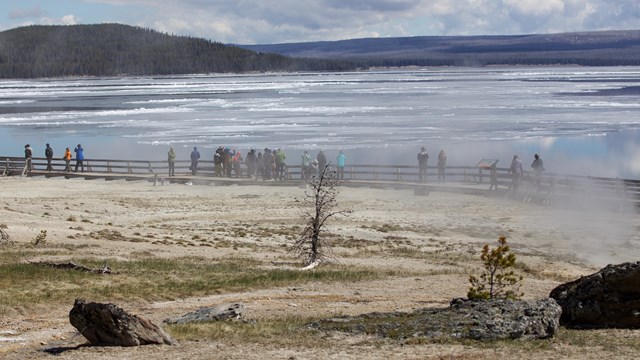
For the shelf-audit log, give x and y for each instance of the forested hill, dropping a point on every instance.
(114, 49)
(604, 48)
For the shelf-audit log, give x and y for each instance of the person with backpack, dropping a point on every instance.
(218, 160)
(538, 168)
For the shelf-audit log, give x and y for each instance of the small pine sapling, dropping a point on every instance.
(497, 281)
(41, 238)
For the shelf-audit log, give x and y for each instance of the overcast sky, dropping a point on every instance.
(277, 21)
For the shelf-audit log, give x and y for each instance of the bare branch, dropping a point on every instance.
(320, 194)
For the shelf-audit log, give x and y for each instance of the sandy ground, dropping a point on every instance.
(564, 243)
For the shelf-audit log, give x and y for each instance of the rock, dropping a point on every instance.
(218, 313)
(609, 298)
(480, 320)
(109, 325)
(4, 237)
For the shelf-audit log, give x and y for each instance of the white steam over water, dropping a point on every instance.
(568, 115)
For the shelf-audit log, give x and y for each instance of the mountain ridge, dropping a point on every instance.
(597, 48)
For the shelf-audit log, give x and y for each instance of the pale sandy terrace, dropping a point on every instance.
(388, 229)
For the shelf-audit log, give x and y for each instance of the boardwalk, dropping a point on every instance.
(612, 193)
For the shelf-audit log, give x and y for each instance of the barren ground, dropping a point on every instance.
(433, 240)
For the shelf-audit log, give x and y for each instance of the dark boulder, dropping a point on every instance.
(609, 298)
(109, 325)
(479, 320)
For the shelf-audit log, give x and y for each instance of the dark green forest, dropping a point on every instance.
(115, 50)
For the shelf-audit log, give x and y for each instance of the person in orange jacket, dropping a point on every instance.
(67, 159)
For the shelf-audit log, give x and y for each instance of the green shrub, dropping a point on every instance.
(497, 281)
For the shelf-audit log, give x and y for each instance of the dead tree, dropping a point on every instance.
(320, 205)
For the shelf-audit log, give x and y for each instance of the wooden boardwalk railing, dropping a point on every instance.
(552, 187)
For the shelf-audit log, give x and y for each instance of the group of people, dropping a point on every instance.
(48, 153)
(311, 168)
(518, 172)
(515, 169)
(271, 164)
(227, 162)
(266, 165)
(423, 158)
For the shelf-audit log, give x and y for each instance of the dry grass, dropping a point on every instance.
(150, 278)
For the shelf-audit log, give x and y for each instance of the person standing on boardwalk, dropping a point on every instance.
(538, 168)
(67, 159)
(517, 171)
(267, 159)
(236, 161)
(79, 157)
(322, 161)
(226, 161)
(48, 153)
(306, 161)
(260, 166)
(218, 160)
(281, 165)
(195, 156)
(423, 157)
(171, 158)
(341, 159)
(251, 163)
(442, 163)
(28, 156)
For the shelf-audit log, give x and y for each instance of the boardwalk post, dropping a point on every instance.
(621, 189)
(109, 167)
(150, 168)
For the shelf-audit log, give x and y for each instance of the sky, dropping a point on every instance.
(284, 21)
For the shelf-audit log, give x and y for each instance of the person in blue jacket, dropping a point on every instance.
(340, 163)
(195, 156)
(79, 157)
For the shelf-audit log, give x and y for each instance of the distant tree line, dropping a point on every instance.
(114, 50)
(533, 59)
(603, 48)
